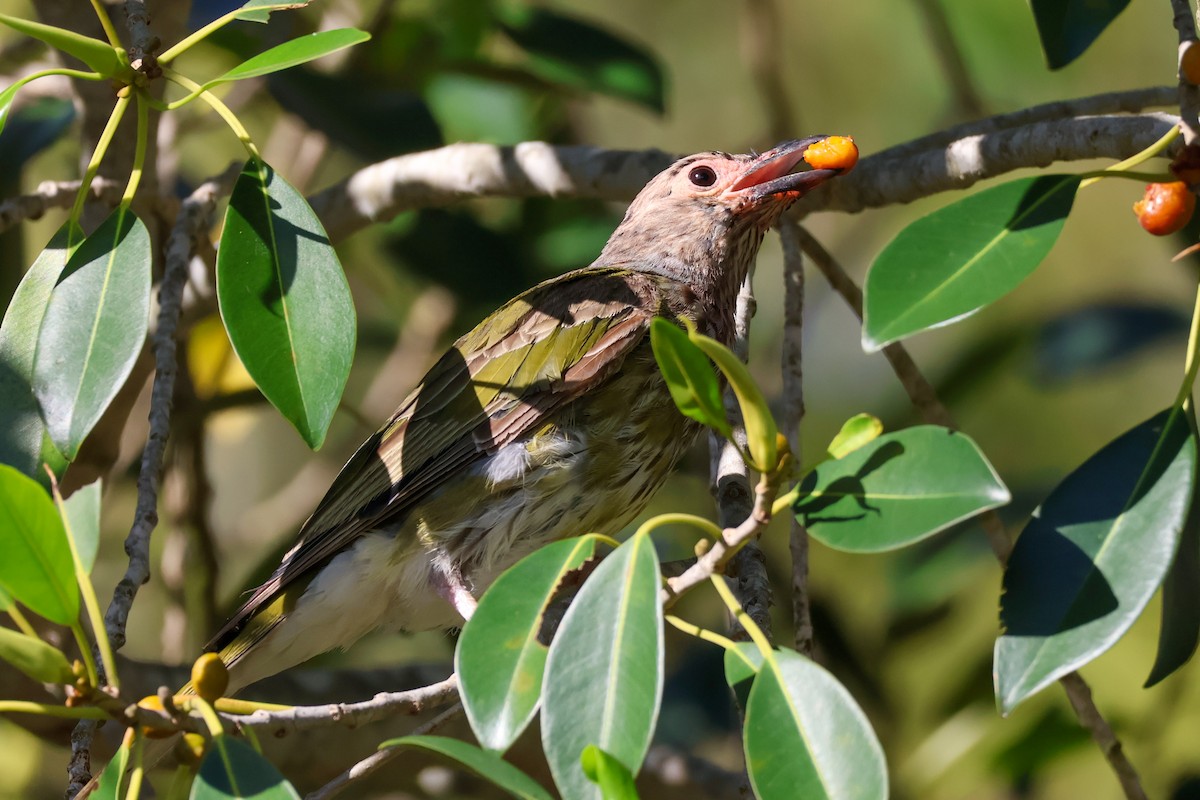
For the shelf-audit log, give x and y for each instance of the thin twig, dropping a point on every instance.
(925, 399)
(793, 413)
(56, 195)
(1188, 94)
(143, 44)
(380, 757)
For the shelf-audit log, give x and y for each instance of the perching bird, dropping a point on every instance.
(550, 419)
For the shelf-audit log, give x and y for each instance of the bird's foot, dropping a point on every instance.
(448, 583)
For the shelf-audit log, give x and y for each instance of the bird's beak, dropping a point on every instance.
(770, 175)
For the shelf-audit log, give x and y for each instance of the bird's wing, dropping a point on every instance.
(523, 363)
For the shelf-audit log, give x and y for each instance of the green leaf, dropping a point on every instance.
(483, 763)
(614, 778)
(741, 666)
(806, 737)
(499, 660)
(1180, 631)
(233, 769)
(5, 600)
(23, 435)
(1068, 27)
(958, 259)
(690, 376)
(604, 676)
(761, 433)
(899, 489)
(1092, 556)
(112, 780)
(99, 56)
(37, 569)
(579, 54)
(35, 658)
(859, 430)
(260, 10)
(285, 301)
(292, 53)
(83, 515)
(94, 328)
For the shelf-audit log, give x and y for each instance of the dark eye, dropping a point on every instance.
(702, 176)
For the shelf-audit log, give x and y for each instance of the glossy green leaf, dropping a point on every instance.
(94, 328)
(23, 435)
(1092, 556)
(960, 258)
(899, 489)
(806, 737)
(690, 376)
(1068, 27)
(859, 430)
(482, 762)
(499, 659)
(576, 53)
(761, 433)
(260, 10)
(1180, 631)
(83, 515)
(37, 569)
(285, 300)
(614, 778)
(34, 657)
(292, 53)
(113, 779)
(98, 55)
(5, 600)
(604, 676)
(233, 769)
(741, 666)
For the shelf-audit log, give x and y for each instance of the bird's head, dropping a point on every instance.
(702, 219)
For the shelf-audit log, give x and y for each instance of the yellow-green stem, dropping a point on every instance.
(252, 737)
(85, 650)
(135, 776)
(756, 635)
(784, 502)
(139, 151)
(185, 44)
(1140, 177)
(48, 710)
(89, 173)
(709, 527)
(211, 720)
(230, 705)
(692, 629)
(106, 23)
(21, 621)
(95, 617)
(1191, 364)
(1137, 158)
(226, 113)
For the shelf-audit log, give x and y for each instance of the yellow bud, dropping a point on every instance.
(210, 678)
(190, 749)
(702, 547)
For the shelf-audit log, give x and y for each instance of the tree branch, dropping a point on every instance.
(56, 195)
(1188, 94)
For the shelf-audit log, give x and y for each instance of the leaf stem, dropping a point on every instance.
(95, 618)
(21, 621)
(85, 649)
(735, 608)
(211, 720)
(1137, 158)
(106, 23)
(1192, 360)
(139, 768)
(226, 113)
(102, 144)
(139, 152)
(692, 629)
(1150, 177)
(784, 502)
(192, 39)
(51, 710)
(232, 705)
(709, 527)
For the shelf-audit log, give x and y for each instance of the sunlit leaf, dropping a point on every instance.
(37, 569)
(962, 257)
(761, 433)
(1092, 556)
(859, 430)
(112, 780)
(260, 10)
(83, 514)
(1068, 27)
(898, 489)
(482, 762)
(604, 676)
(614, 778)
(35, 658)
(94, 328)
(806, 737)
(233, 769)
(99, 56)
(690, 376)
(285, 301)
(292, 53)
(23, 434)
(499, 659)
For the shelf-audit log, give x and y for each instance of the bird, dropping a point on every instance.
(547, 420)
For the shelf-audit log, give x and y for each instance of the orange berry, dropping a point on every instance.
(1189, 62)
(210, 678)
(1165, 208)
(833, 152)
(152, 703)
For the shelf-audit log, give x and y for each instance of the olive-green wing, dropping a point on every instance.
(526, 361)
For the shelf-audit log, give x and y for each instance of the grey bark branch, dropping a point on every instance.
(55, 195)
(1188, 94)
(143, 44)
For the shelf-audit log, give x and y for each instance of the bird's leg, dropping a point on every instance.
(448, 583)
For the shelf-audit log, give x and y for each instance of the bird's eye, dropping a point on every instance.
(703, 176)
